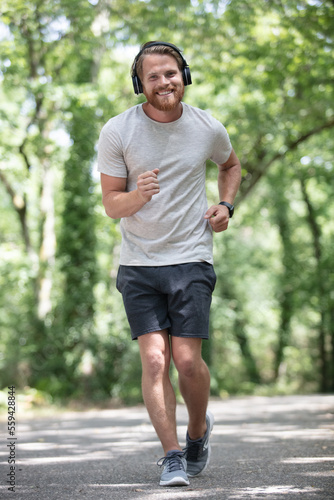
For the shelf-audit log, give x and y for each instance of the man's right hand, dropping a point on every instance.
(148, 185)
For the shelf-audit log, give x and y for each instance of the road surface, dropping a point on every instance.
(276, 448)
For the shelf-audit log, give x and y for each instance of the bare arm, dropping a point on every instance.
(229, 178)
(120, 203)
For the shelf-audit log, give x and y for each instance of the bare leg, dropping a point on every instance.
(194, 382)
(158, 393)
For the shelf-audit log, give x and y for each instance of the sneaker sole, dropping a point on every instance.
(211, 422)
(176, 481)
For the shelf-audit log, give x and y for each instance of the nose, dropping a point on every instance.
(164, 80)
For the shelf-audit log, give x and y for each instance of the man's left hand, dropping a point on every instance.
(218, 216)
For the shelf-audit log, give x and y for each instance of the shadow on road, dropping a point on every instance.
(280, 447)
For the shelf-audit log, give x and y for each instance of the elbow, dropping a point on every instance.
(109, 207)
(110, 212)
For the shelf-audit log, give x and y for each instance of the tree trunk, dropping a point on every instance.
(320, 280)
(248, 358)
(286, 289)
(48, 243)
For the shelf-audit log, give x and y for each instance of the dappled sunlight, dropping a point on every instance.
(259, 492)
(186, 493)
(307, 460)
(217, 493)
(261, 447)
(95, 438)
(164, 493)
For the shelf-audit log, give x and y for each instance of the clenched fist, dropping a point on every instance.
(148, 184)
(218, 216)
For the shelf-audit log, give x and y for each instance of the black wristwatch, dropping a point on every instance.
(229, 206)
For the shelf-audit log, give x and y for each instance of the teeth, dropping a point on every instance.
(165, 93)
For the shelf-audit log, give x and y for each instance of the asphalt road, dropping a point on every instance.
(276, 448)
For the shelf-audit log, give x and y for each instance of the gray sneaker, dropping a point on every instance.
(174, 469)
(198, 452)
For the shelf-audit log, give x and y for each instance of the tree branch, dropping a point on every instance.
(256, 175)
(20, 206)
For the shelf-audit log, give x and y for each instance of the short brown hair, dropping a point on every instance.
(137, 66)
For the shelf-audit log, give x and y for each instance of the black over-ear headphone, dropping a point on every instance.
(137, 85)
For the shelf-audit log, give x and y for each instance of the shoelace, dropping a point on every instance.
(172, 462)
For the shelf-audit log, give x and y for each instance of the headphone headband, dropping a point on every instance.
(137, 85)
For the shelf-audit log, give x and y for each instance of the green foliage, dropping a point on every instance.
(265, 69)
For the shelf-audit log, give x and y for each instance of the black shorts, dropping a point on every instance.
(175, 297)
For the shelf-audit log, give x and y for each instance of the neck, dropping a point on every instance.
(163, 116)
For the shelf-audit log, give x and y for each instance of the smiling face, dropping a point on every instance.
(162, 83)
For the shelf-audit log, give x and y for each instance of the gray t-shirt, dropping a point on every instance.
(169, 229)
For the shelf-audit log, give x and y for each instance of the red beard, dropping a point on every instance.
(166, 103)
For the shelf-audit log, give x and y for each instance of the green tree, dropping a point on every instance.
(265, 69)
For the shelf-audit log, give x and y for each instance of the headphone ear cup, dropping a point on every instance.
(186, 76)
(137, 86)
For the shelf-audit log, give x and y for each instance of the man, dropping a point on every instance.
(152, 161)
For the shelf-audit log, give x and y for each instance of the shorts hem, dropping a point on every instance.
(182, 335)
(150, 330)
(190, 336)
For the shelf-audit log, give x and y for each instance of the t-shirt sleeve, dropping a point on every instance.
(222, 146)
(110, 159)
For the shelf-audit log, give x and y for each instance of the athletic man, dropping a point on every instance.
(152, 160)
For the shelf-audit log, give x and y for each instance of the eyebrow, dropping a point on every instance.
(170, 70)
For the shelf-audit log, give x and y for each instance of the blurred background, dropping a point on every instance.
(265, 70)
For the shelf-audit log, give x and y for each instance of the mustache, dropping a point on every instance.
(176, 89)
(165, 89)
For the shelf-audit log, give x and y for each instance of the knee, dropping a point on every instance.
(155, 364)
(186, 366)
